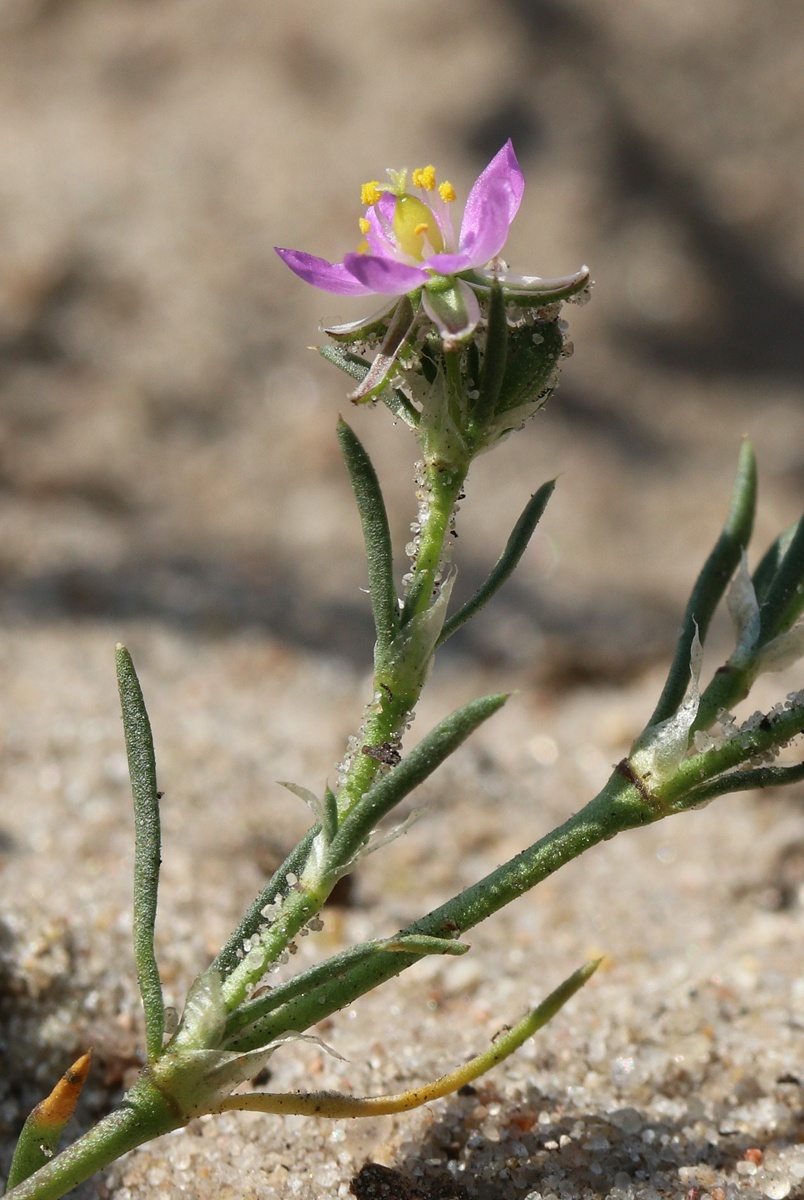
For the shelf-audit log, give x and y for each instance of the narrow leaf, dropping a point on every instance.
(251, 1011)
(506, 564)
(147, 846)
(712, 581)
(770, 562)
(754, 779)
(329, 1104)
(351, 364)
(376, 535)
(41, 1132)
(784, 601)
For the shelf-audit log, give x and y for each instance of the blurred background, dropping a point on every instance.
(169, 476)
(166, 434)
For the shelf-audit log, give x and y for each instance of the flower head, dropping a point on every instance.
(409, 250)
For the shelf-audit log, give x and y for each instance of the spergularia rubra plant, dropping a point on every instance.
(464, 352)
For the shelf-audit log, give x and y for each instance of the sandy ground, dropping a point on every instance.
(169, 477)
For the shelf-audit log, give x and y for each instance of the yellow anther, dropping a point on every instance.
(365, 225)
(370, 192)
(422, 228)
(447, 192)
(424, 177)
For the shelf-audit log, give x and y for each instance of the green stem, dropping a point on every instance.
(617, 807)
(330, 860)
(444, 484)
(401, 667)
(397, 685)
(396, 691)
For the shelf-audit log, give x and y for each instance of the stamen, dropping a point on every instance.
(370, 192)
(422, 228)
(447, 192)
(365, 225)
(424, 177)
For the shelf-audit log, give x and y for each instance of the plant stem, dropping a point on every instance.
(400, 672)
(617, 807)
(401, 667)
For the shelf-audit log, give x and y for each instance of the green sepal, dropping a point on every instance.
(493, 370)
(345, 360)
(358, 368)
(534, 353)
(378, 377)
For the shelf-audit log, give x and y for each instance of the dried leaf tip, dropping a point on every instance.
(56, 1109)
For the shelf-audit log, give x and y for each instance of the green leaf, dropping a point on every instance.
(506, 564)
(334, 1105)
(351, 364)
(784, 599)
(240, 1025)
(147, 846)
(376, 536)
(771, 561)
(712, 581)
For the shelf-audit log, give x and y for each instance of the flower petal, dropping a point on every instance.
(485, 239)
(380, 217)
(450, 264)
(454, 311)
(384, 276)
(330, 277)
(491, 206)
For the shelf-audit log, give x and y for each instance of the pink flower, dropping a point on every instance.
(410, 250)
